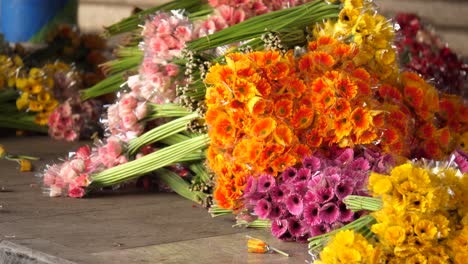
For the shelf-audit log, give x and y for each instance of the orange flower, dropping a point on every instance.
(263, 127)
(277, 71)
(414, 96)
(302, 151)
(426, 130)
(343, 128)
(224, 130)
(341, 108)
(322, 124)
(241, 120)
(264, 58)
(302, 118)
(283, 135)
(443, 136)
(360, 119)
(325, 99)
(282, 162)
(362, 74)
(270, 152)
(247, 150)
(343, 50)
(389, 136)
(257, 106)
(320, 85)
(314, 139)
(366, 137)
(346, 88)
(387, 91)
(379, 120)
(219, 73)
(263, 87)
(326, 40)
(322, 59)
(364, 88)
(305, 63)
(243, 90)
(295, 86)
(283, 108)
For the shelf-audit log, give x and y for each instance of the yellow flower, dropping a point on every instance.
(2, 151)
(396, 235)
(35, 106)
(41, 119)
(417, 259)
(35, 89)
(380, 183)
(23, 101)
(25, 165)
(425, 229)
(21, 83)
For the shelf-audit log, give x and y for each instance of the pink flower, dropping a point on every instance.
(263, 208)
(294, 204)
(329, 213)
(82, 180)
(265, 183)
(141, 110)
(346, 214)
(289, 174)
(76, 192)
(279, 227)
(311, 214)
(276, 212)
(172, 70)
(251, 187)
(295, 227)
(325, 195)
(83, 152)
(113, 147)
(311, 163)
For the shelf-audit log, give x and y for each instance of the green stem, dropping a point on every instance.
(357, 225)
(131, 23)
(156, 160)
(180, 186)
(216, 211)
(22, 122)
(160, 132)
(109, 85)
(358, 203)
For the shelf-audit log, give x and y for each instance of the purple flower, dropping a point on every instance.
(295, 227)
(332, 170)
(315, 180)
(324, 195)
(343, 189)
(301, 187)
(279, 227)
(294, 204)
(346, 214)
(461, 159)
(310, 197)
(265, 183)
(320, 229)
(311, 214)
(279, 193)
(360, 164)
(251, 187)
(303, 174)
(345, 157)
(263, 208)
(312, 163)
(286, 236)
(253, 198)
(303, 238)
(289, 174)
(333, 179)
(329, 213)
(276, 212)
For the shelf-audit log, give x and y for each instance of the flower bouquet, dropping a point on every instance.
(291, 117)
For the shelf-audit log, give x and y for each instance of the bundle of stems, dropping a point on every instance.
(358, 203)
(131, 23)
